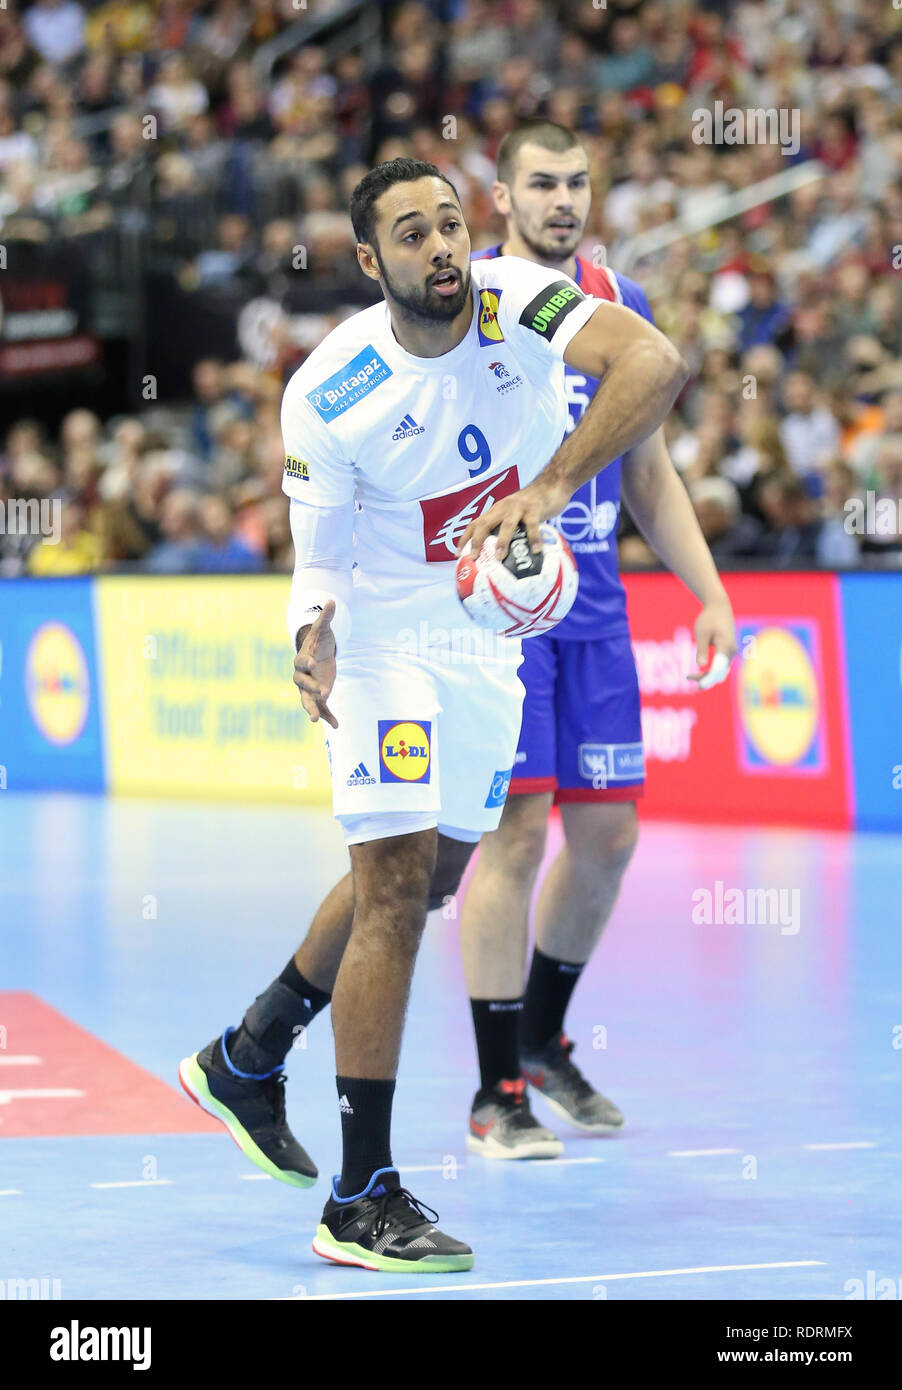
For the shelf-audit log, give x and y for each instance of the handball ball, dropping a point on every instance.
(527, 592)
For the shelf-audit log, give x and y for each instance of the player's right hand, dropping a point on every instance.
(314, 666)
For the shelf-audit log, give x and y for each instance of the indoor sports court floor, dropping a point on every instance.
(760, 1069)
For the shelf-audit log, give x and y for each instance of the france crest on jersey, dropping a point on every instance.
(589, 521)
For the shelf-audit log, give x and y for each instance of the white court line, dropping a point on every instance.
(852, 1144)
(433, 1167)
(699, 1153)
(536, 1165)
(10, 1192)
(52, 1093)
(534, 1283)
(24, 1060)
(138, 1182)
(559, 1162)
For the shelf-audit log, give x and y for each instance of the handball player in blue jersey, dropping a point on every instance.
(581, 739)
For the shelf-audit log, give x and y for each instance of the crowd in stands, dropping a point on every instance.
(789, 313)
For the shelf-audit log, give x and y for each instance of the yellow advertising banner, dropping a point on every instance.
(197, 690)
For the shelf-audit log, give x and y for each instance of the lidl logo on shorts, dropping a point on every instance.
(345, 388)
(297, 468)
(603, 763)
(56, 683)
(404, 750)
(778, 694)
(487, 325)
(498, 790)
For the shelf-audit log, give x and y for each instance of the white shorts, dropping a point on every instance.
(421, 743)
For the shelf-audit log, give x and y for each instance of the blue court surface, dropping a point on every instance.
(759, 1067)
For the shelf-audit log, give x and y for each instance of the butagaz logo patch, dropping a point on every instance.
(408, 428)
(297, 468)
(338, 393)
(548, 310)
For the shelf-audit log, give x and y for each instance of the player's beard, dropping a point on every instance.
(543, 246)
(423, 305)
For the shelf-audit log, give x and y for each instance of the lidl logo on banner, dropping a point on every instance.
(780, 713)
(57, 686)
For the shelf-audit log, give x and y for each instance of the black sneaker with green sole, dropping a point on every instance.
(252, 1108)
(385, 1228)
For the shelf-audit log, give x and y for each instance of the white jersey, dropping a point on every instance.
(419, 446)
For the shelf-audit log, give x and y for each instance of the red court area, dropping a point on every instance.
(58, 1079)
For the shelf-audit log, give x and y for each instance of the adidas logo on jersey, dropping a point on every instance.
(408, 428)
(345, 1106)
(361, 778)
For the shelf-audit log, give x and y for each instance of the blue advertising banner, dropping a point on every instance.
(872, 621)
(50, 716)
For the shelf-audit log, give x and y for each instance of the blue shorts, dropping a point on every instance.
(581, 735)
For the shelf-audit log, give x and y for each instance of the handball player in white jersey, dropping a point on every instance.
(417, 424)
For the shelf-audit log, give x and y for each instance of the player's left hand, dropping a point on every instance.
(530, 507)
(715, 628)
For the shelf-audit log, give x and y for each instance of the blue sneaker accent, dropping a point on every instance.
(244, 1075)
(368, 1191)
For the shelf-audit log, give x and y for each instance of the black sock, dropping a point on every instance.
(548, 989)
(497, 1025)
(365, 1107)
(274, 1021)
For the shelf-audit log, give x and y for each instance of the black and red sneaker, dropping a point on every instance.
(503, 1126)
(552, 1073)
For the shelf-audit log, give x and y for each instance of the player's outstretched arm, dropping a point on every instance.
(660, 506)
(318, 614)
(641, 376)
(314, 665)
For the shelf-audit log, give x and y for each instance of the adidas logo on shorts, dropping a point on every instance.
(361, 778)
(408, 428)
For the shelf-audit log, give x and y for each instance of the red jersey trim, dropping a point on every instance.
(576, 794)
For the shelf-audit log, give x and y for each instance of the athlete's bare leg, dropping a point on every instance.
(320, 953)
(494, 925)
(582, 884)
(369, 1000)
(574, 904)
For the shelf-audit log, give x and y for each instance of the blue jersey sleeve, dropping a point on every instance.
(634, 297)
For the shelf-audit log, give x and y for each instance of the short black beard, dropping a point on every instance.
(546, 253)
(416, 306)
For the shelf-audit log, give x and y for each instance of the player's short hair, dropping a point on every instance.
(378, 181)
(547, 134)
